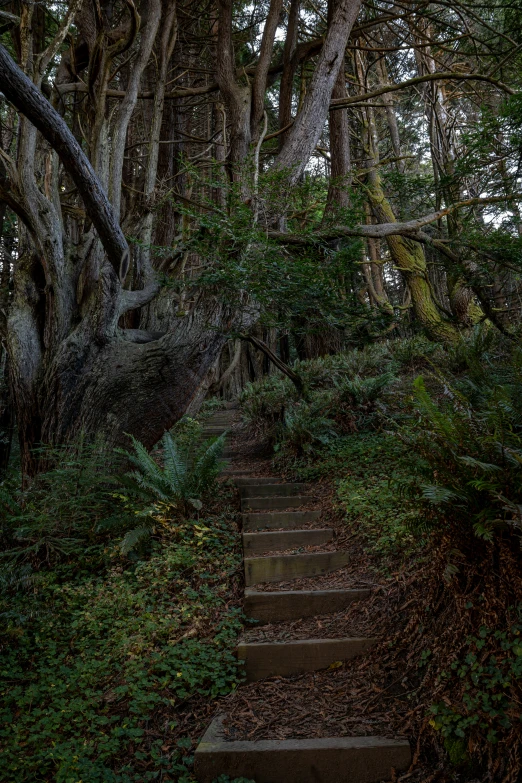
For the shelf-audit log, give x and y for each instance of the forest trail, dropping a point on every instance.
(285, 542)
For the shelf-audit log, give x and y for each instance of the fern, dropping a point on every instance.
(437, 494)
(305, 427)
(470, 438)
(185, 476)
(360, 390)
(134, 537)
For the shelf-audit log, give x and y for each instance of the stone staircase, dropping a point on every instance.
(271, 524)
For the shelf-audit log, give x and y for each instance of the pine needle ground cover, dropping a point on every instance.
(108, 673)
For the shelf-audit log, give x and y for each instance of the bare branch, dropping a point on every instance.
(302, 138)
(47, 55)
(341, 103)
(29, 101)
(263, 65)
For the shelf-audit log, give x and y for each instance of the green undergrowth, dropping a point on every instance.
(110, 655)
(423, 450)
(92, 682)
(369, 471)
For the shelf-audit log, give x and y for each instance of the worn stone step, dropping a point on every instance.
(284, 605)
(270, 659)
(256, 480)
(322, 760)
(274, 490)
(280, 568)
(274, 503)
(259, 543)
(278, 519)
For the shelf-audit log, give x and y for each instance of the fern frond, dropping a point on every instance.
(133, 537)
(157, 489)
(207, 464)
(487, 467)
(175, 466)
(144, 461)
(438, 495)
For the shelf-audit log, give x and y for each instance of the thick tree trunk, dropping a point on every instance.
(138, 383)
(302, 138)
(73, 369)
(408, 256)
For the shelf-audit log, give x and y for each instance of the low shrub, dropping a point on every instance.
(69, 511)
(304, 428)
(342, 394)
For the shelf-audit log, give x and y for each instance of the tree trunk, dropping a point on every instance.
(304, 134)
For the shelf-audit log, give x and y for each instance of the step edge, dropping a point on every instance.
(308, 642)
(213, 739)
(278, 497)
(301, 554)
(275, 513)
(290, 532)
(341, 591)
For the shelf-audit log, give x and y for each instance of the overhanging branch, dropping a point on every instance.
(408, 228)
(341, 103)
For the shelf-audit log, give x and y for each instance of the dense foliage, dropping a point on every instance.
(103, 654)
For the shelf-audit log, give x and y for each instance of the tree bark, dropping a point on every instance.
(304, 134)
(263, 64)
(27, 99)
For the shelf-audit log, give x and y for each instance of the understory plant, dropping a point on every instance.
(66, 511)
(104, 647)
(468, 431)
(487, 676)
(342, 393)
(176, 484)
(97, 683)
(305, 427)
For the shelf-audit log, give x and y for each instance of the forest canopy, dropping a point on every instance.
(183, 178)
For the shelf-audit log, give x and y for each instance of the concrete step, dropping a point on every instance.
(236, 473)
(324, 760)
(274, 503)
(293, 604)
(270, 659)
(257, 481)
(259, 543)
(273, 490)
(277, 519)
(280, 568)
